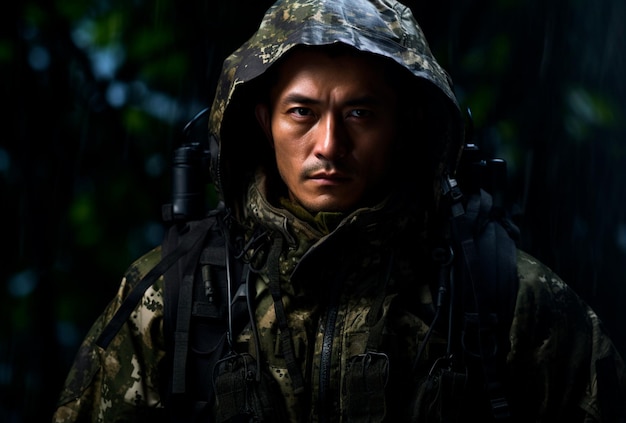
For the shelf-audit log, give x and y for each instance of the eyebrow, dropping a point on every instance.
(357, 101)
(298, 98)
(364, 100)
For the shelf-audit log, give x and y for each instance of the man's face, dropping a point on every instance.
(332, 122)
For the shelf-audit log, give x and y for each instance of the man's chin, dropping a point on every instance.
(336, 199)
(331, 205)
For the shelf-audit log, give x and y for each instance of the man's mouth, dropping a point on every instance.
(330, 177)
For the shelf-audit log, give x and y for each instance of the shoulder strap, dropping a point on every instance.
(196, 232)
(205, 301)
(488, 269)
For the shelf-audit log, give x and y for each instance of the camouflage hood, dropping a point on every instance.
(381, 27)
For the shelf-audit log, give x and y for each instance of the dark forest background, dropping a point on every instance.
(96, 94)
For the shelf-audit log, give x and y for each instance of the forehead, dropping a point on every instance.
(322, 66)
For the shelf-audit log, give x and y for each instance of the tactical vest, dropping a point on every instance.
(207, 303)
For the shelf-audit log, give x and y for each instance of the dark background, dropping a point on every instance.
(96, 94)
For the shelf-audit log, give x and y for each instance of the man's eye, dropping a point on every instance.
(301, 111)
(360, 113)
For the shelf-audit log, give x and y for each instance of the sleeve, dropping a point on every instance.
(119, 383)
(563, 364)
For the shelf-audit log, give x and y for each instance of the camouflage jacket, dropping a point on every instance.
(558, 345)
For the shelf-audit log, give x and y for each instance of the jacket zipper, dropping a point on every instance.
(326, 354)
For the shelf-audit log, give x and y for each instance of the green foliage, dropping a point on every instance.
(73, 10)
(110, 27)
(33, 14)
(587, 112)
(85, 221)
(6, 51)
(489, 60)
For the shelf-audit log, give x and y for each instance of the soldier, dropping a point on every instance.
(336, 140)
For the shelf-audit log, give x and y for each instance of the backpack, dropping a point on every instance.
(206, 299)
(478, 288)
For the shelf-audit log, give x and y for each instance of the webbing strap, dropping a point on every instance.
(197, 231)
(375, 338)
(181, 334)
(481, 313)
(493, 256)
(285, 334)
(375, 315)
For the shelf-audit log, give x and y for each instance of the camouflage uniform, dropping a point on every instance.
(355, 288)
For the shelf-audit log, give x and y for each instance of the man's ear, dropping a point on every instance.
(262, 113)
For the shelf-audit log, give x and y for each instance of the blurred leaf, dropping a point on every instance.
(84, 219)
(161, 68)
(489, 59)
(73, 10)
(110, 28)
(33, 14)
(7, 51)
(481, 100)
(149, 42)
(592, 107)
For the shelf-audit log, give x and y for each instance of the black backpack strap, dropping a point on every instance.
(197, 230)
(488, 267)
(205, 306)
(183, 292)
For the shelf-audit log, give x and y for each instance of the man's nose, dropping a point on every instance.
(332, 139)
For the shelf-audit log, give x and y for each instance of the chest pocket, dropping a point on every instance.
(367, 370)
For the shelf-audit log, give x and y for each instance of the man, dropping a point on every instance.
(338, 134)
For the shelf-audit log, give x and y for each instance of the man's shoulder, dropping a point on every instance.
(541, 286)
(533, 270)
(530, 265)
(141, 266)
